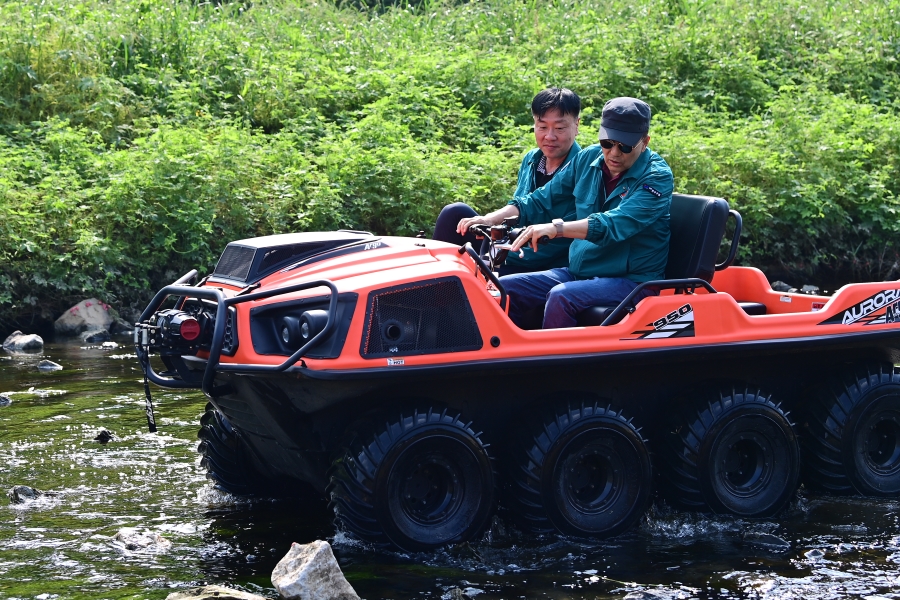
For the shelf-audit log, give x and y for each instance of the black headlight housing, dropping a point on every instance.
(283, 328)
(297, 331)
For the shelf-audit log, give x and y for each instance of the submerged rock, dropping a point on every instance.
(5, 400)
(208, 592)
(20, 494)
(95, 336)
(641, 595)
(310, 572)
(814, 554)
(461, 594)
(49, 365)
(20, 342)
(103, 436)
(767, 541)
(133, 538)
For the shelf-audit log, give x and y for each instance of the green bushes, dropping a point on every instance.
(139, 136)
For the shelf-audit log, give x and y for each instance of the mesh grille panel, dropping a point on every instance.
(422, 318)
(235, 262)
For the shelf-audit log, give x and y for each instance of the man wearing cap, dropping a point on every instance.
(620, 238)
(556, 114)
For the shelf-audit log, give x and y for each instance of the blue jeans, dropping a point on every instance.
(561, 295)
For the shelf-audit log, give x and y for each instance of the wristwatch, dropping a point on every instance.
(559, 227)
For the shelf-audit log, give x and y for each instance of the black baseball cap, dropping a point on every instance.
(625, 120)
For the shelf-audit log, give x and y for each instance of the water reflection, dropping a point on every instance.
(62, 542)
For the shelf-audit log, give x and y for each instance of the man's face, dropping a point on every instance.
(618, 162)
(555, 133)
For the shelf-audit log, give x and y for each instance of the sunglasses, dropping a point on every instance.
(624, 148)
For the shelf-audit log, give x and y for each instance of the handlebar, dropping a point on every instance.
(486, 271)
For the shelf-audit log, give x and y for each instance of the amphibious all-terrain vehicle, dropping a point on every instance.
(385, 373)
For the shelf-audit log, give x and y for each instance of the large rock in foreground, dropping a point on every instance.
(210, 592)
(310, 572)
(87, 315)
(19, 342)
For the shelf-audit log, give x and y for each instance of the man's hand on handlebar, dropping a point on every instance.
(464, 224)
(494, 218)
(534, 235)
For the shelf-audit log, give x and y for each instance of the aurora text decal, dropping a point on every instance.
(877, 309)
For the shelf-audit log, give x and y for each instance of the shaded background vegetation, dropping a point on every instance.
(137, 137)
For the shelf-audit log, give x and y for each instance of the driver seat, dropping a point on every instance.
(697, 227)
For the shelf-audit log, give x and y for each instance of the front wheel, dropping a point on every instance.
(421, 481)
(735, 453)
(584, 471)
(229, 462)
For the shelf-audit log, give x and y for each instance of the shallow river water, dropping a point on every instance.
(61, 545)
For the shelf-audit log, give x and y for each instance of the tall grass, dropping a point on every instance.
(139, 136)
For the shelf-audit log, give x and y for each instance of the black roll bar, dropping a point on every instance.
(735, 240)
(485, 270)
(218, 338)
(627, 305)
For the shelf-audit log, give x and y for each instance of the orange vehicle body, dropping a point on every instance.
(718, 319)
(649, 369)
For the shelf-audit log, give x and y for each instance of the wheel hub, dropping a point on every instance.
(881, 448)
(589, 480)
(430, 489)
(744, 465)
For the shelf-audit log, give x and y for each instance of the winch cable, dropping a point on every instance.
(144, 359)
(151, 420)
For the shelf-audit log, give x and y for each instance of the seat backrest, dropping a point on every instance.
(698, 226)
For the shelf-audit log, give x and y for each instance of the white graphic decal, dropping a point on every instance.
(678, 323)
(879, 309)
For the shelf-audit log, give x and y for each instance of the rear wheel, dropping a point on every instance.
(853, 441)
(735, 453)
(229, 463)
(584, 471)
(421, 481)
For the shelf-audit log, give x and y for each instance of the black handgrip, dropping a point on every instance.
(735, 240)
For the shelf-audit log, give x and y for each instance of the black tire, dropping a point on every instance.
(421, 481)
(735, 453)
(229, 464)
(584, 471)
(853, 433)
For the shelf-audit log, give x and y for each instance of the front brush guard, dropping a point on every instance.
(144, 329)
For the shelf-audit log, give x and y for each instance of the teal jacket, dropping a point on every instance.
(556, 253)
(628, 233)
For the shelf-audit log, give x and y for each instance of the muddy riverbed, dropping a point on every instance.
(61, 545)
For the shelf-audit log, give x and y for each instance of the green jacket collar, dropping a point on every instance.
(538, 153)
(636, 171)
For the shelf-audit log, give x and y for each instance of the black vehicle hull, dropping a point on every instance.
(295, 422)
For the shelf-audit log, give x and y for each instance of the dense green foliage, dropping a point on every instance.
(137, 137)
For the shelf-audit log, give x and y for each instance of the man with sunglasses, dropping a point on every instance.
(622, 192)
(556, 114)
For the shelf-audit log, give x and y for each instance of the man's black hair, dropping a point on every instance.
(564, 100)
